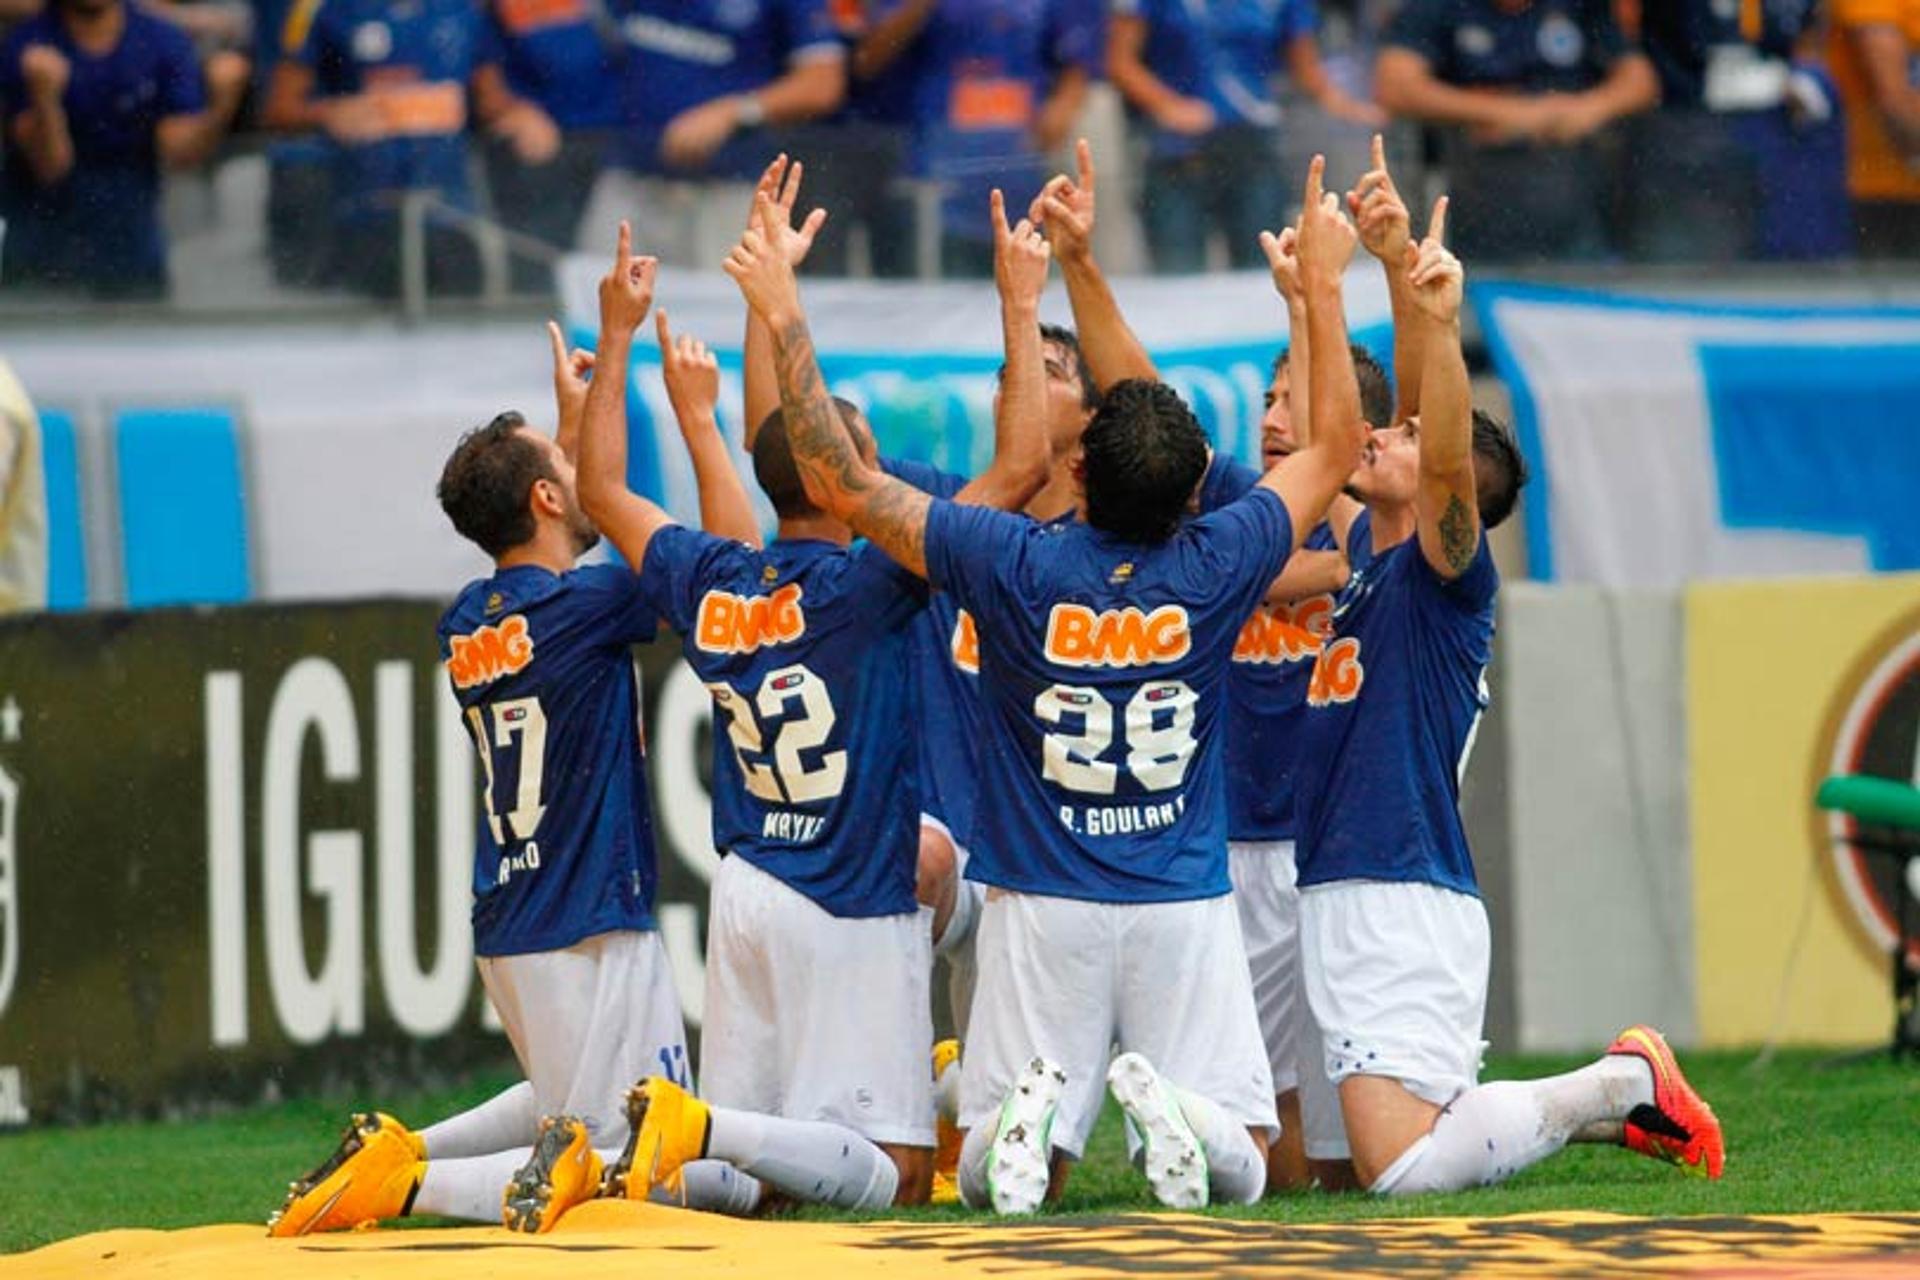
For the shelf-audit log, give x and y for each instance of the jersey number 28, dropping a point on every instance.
(1159, 736)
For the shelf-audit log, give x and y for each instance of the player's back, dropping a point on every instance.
(804, 647)
(1103, 663)
(541, 665)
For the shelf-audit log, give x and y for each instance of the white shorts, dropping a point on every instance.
(1269, 907)
(1397, 978)
(1066, 979)
(814, 1017)
(589, 1021)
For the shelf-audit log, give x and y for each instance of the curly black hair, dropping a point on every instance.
(1499, 468)
(1144, 455)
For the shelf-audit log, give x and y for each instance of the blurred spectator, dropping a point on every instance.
(997, 85)
(1198, 77)
(388, 81)
(96, 97)
(1528, 85)
(556, 55)
(23, 501)
(1744, 157)
(1876, 60)
(701, 86)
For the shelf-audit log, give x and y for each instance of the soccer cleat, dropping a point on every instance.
(562, 1172)
(667, 1127)
(372, 1174)
(946, 1134)
(1679, 1127)
(1020, 1162)
(1172, 1158)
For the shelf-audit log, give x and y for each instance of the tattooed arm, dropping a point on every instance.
(1448, 506)
(887, 512)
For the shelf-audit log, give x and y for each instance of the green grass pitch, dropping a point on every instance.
(1800, 1139)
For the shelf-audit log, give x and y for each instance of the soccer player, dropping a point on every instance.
(539, 658)
(1393, 933)
(818, 1026)
(1104, 647)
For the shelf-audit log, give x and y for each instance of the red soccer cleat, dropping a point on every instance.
(1679, 1127)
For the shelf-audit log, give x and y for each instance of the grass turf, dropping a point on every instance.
(1800, 1139)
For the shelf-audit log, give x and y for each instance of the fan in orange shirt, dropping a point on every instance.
(1876, 62)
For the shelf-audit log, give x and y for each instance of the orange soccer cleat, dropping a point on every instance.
(562, 1172)
(1679, 1127)
(668, 1128)
(372, 1174)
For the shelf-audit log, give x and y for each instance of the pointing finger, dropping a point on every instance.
(1380, 152)
(559, 344)
(665, 335)
(623, 251)
(1316, 181)
(1083, 153)
(1437, 229)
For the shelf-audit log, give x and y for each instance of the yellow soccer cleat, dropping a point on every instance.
(946, 1133)
(668, 1127)
(563, 1171)
(372, 1174)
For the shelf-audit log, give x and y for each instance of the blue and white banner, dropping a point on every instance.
(1674, 441)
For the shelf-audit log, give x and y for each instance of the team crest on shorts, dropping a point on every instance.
(1875, 730)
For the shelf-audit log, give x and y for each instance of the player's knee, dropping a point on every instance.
(936, 869)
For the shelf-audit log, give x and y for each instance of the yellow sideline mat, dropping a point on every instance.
(610, 1239)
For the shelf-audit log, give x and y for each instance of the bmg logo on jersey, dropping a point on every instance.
(1337, 673)
(490, 653)
(746, 624)
(1079, 637)
(966, 644)
(1285, 633)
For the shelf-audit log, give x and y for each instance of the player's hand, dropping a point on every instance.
(1189, 117)
(46, 72)
(780, 185)
(763, 273)
(227, 74)
(1283, 258)
(1437, 278)
(626, 292)
(692, 374)
(691, 138)
(531, 132)
(1386, 228)
(1065, 209)
(1020, 257)
(570, 370)
(1327, 239)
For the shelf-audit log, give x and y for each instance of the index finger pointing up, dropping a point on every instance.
(1316, 178)
(1437, 229)
(1380, 152)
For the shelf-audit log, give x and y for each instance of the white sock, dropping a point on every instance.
(1236, 1171)
(973, 1167)
(715, 1186)
(946, 1093)
(471, 1187)
(811, 1160)
(507, 1121)
(1491, 1132)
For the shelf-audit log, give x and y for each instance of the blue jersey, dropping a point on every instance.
(1103, 670)
(1543, 46)
(541, 666)
(804, 648)
(1223, 52)
(101, 222)
(682, 53)
(1396, 695)
(414, 60)
(553, 54)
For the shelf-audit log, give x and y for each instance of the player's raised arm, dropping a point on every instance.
(781, 185)
(570, 370)
(1448, 506)
(692, 376)
(1309, 479)
(1065, 209)
(1386, 229)
(1021, 454)
(626, 518)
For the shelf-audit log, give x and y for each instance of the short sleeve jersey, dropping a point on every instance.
(102, 219)
(1103, 672)
(1545, 46)
(553, 54)
(1395, 697)
(414, 61)
(541, 664)
(804, 648)
(1223, 52)
(682, 53)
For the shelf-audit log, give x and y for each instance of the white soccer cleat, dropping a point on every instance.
(1175, 1162)
(1020, 1163)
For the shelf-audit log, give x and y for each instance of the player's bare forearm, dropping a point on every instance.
(725, 510)
(628, 520)
(1448, 507)
(1310, 479)
(1021, 455)
(885, 511)
(1299, 373)
(1409, 347)
(1309, 573)
(1113, 352)
(762, 395)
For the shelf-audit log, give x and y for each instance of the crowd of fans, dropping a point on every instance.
(1667, 130)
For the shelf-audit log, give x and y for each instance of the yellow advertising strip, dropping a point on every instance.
(619, 1241)
(1778, 673)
